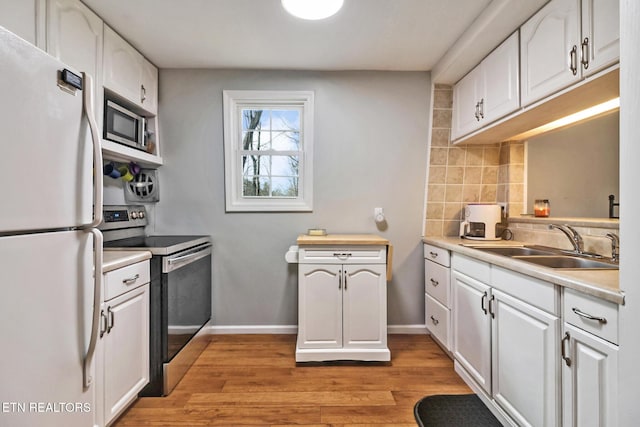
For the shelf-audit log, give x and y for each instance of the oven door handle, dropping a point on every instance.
(172, 263)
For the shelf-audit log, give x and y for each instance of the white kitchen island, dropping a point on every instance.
(342, 298)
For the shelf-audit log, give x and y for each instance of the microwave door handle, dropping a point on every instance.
(97, 149)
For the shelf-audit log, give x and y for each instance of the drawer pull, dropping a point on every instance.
(434, 321)
(131, 280)
(342, 255)
(580, 313)
(434, 282)
(433, 254)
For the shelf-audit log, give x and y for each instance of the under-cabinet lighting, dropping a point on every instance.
(571, 119)
(312, 9)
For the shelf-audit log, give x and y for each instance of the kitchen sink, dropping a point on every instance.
(567, 262)
(515, 251)
(549, 257)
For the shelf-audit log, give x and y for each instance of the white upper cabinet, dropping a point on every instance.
(74, 36)
(600, 34)
(489, 92)
(128, 74)
(25, 18)
(566, 41)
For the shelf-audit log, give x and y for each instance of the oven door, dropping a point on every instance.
(186, 287)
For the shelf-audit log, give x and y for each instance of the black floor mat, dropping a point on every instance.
(464, 410)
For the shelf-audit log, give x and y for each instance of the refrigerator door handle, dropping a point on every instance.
(95, 315)
(88, 100)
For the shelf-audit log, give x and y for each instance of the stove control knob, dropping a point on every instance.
(134, 215)
(141, 214)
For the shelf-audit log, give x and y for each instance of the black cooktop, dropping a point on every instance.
(157, 245)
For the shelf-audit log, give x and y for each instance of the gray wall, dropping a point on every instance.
(370, 150)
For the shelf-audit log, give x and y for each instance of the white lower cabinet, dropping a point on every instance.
(123, 360)
(505, 345)
(590, 365)
(342, 307)
(437, 298)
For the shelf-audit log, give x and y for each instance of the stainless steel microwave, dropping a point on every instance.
(124, 126)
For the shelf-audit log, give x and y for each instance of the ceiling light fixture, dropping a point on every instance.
(312, 9)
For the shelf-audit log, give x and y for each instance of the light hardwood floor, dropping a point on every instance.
(253, 380)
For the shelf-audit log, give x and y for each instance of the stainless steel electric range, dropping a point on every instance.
(180, 293)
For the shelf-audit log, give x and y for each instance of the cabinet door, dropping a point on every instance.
(319, 306)
(122, 67)
(501, 82)
(22, 17)
(546, 43)
(365, 306)
(472, 328)
(466, 99)
(590, 383)
(74, 36)
(149, 87)
(600, 34)
(126, 349)
(525, 361)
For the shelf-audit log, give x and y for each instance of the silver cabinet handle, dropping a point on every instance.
(143, 94)
(566, 339)
(434, 320)
(339, 279)
(483, 302)
(434, 282)
(103, 323)
(342, 255)
(345, 279)
(477, 114)
(573, 60)
(491, 309)
(131, 280)
(580, 313)
(433, 254)
(110, 320)
(482, 108)
(585, 53)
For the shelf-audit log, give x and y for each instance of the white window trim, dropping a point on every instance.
(233, 102)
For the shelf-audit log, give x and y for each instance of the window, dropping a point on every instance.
(268, 141)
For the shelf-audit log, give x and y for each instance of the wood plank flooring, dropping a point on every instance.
(253, 380)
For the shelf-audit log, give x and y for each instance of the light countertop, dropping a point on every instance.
(112, 260)
(342, 239)
(599, 283)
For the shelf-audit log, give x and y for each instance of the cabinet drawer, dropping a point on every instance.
(473, 268)
(437, 320)
(436, 254)
(578, 307)
(437, 282)
(343, 255)
(124, 279)
(536, 292)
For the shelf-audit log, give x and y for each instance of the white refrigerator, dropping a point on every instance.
(50, 251)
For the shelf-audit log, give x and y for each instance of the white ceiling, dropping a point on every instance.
(411, 35)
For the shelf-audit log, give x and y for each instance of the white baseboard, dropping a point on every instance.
(293, 329)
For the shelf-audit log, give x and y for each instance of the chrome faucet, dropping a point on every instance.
(572, 235)
(615, 246)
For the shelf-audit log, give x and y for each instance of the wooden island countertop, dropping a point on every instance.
(342, 239)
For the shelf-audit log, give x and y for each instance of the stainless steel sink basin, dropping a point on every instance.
(567, 262)
(515, 251)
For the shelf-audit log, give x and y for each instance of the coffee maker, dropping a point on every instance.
(480, 221)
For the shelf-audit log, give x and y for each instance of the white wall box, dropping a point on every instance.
(123, 347)
(590, 361)
(506, 347)
(437, 287)
(566, 41)
(489, 92)
(74, 36)
(342, 304)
